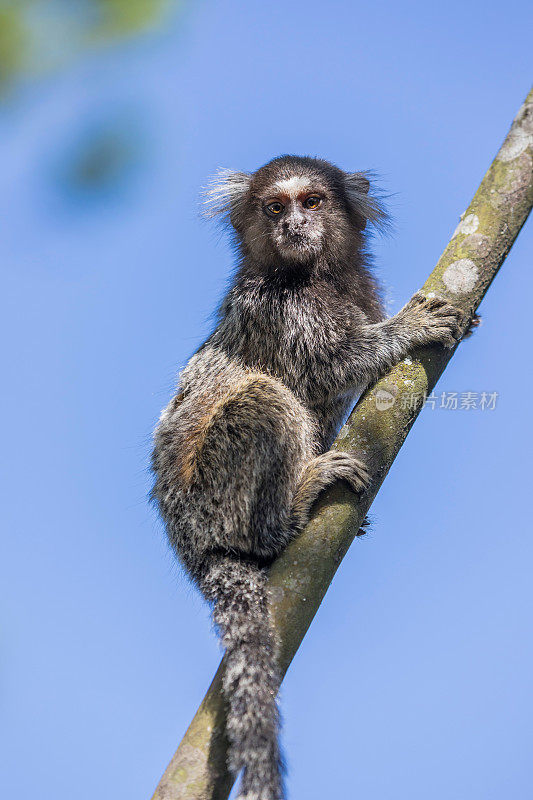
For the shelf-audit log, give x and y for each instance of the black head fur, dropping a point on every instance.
(328, 242)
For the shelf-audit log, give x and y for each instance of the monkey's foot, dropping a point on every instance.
(340, 465)
(320, 473)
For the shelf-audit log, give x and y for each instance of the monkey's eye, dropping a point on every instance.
(275, 208)
(312, 202)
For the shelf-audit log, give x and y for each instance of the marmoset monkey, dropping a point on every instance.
(242, 451)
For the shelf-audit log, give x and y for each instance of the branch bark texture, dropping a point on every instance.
(377, 428)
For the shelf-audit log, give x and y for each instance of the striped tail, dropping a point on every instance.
(237, 589)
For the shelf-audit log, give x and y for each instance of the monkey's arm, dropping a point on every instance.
(379, 346)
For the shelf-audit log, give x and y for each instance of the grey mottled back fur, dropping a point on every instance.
(242, 451)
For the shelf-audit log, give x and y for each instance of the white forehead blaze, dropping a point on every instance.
(293, 186)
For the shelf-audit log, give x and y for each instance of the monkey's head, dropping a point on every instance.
(295, 211)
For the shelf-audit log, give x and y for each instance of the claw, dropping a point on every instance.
(476, 322)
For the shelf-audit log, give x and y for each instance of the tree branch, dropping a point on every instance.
(377, 427)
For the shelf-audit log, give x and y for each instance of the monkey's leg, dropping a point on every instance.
(320, 473)
(246, 464)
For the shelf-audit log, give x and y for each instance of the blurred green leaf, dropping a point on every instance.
(122, 16)
(39, 35)
(12, 43)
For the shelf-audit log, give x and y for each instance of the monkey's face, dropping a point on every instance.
(293, 217)
(298, 211)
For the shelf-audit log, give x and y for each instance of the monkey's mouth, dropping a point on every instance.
(295, 243)
(296, 239)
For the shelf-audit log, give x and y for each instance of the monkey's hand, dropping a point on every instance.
(431, 319)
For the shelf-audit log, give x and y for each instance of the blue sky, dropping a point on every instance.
(414, 680)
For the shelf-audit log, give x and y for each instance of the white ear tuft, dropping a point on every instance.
(224, 194)
(369, 207)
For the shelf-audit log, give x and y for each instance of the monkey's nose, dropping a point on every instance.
(294, 226)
